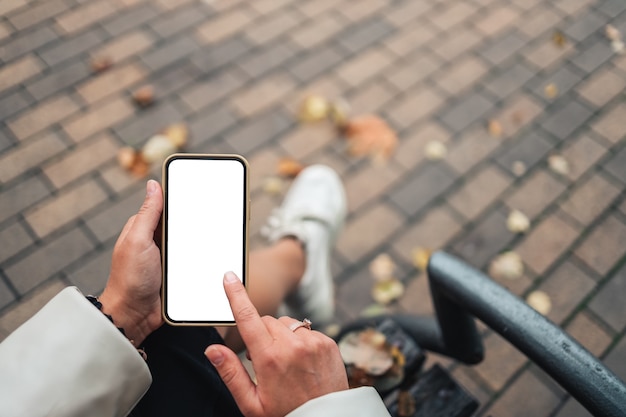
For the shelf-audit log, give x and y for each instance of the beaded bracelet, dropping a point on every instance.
(96, 303)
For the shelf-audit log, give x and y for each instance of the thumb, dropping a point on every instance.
(149, 214)
(235, 377)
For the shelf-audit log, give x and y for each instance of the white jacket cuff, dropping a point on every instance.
(362, 402)
(70, 360)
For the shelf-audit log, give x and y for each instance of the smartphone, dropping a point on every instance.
(205, 218)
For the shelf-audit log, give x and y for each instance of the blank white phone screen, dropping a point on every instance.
(205, 236)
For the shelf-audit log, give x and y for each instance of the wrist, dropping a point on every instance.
(133, 326)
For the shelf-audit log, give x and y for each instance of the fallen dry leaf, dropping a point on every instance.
(370, 135)
(367, 351)
(420, 257)
(382, 267)
(100, 64)
(518, 168)
(374, 310)
(517, 222)
(384, 292)
(157, 148)
(612, 33)
(435, 150)
(273, 185)
(507, 265)
(339, 112)
(558, 164)
(551, 90)
(559, 39)
(494, 128)
(289, 168)
(144, 96)
(617, 46)
(177, 134)
(133, 162)
(540, 301)
(314, 108)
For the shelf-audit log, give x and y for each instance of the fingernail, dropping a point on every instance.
(230, 277)
(214, 355)
(150, 187)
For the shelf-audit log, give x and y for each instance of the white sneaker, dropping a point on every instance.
(313, 212)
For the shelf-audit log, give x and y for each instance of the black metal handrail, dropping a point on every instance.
(461, 293)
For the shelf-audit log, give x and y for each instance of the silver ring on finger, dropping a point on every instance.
(306, 323)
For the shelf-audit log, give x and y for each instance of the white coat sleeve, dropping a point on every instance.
(362, 402)
(70, 360)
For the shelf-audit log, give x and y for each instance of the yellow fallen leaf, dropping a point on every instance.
(617, 46)
(420, 257)
(517, 222)
(374, 310)
(540, 301)
(558, 164)
(157, 148)
(289, 168)
(494, 128)
(313, 109)
(612, 33)
(273, 185)
(518, 168)
(384, 292)
(551, 90)
(507, 265)
(382, 267)
(435, 150)
(177, 133)
(559, 39)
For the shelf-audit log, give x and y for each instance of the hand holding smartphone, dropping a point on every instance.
(205, 219)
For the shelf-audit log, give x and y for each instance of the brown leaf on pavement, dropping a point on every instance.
(100, 64)
(370, 135)
(559, 39)
(494, 128)
(289, 168)
(144, 96)
(551, 90)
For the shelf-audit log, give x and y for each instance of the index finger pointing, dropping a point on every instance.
(251, 327)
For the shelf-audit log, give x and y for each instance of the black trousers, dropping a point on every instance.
(185, 384)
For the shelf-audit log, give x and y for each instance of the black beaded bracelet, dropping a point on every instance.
(96, 303)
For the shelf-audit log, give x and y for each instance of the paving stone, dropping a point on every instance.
(6, 298)
(547, 55)
(602, 87)
(572, 408)
(262, 165)
(48, 260)
(414, 106)
(371, 98)
(108, 223)
(72, 47)
(148, 123)
(416, 299)
(363, 67)
(563, 78)
(509, 80)
(365, 34)
(173, 79)
(91, 276)
(462, 75)
(485, 239)
(207, 125)
(354, 294)
(27, 156)
(356, 11)
(471, 148)
(368, 230)
(535, 194)
(569, 117)
(21, 196)
(517, 113)
(497, 19)
(9, 6)
(263, 95)
(65, 207)
(615, 359)
(458, 42)
(605, 246)
(224, 26)
(270, 29)
(58, 79)
(85, 158)
(268, 59)
(27, 307)
(447, 17)
(410, 151)
(316, 63)
(306, 140)
(367, 184)
(83, 16)
(173, 4)
(19, 71)
(608, 304)
(14, 103)
(610, 123)
(539, 21)
(34, 14)
(15, 238)
(125, 46)
(5, 31)
(503, 48)
(567, 286)
(111, 82)
(404, 13)
(316, 8)
(24, 42)
(410, 38)
(479, 192)
(501, 361)
(546, 242)
(265, 7)
(433, 230)
(258, 131)
(593, 56)
(528, 149)
(572, 7)
(42, 116)
(170, 52)
(533, 395)
(584, 26)
(587, 332)
(216, 88)
(317, 31)
(408, 73)
(98, 118)
(617, 166)
(130, 19)
(466, 111)
(426, 185)
(612, 8)
(590, 198)
(180, 20)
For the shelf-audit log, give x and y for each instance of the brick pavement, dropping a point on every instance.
(235, 71)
